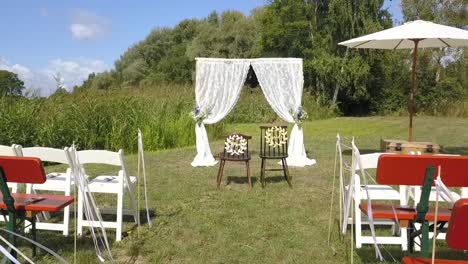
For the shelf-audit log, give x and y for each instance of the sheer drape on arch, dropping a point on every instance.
(217, 89)
(282, 80)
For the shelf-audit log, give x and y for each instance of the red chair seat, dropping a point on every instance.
(408, 260)
(385, 211)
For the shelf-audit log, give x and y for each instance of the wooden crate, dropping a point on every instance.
(405, 147)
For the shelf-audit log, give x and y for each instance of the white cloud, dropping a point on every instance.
(88, 26)
(71, 72)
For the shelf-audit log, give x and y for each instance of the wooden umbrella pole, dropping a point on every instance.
(413, 81)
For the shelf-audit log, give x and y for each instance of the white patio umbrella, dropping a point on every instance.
(412, 35)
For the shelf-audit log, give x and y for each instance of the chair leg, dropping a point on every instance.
(357, 223)
(248, 174)
(80, 215)
(118, 231)
(286, 172)
(262, 173)
(220, 173)
(34, 235)
(66, 220)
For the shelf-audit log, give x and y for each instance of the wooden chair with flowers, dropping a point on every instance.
(236, 148)
(274, 145)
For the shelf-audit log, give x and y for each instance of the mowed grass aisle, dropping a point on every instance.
(196, 223)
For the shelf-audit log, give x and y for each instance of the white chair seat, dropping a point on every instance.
(54, 182)
(108, 184)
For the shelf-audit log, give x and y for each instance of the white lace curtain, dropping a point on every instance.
(281, 81)
(217, 89)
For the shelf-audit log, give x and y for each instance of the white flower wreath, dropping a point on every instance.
(276, 136)
(235, 145)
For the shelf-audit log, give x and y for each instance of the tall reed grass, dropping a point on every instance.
(100, 119)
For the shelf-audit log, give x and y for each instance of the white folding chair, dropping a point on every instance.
(9, 151)
(376, 192)
(112, 184)
(56, 181)
(368, 161)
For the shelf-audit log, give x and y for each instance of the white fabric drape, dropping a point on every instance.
(282, 81)
(217, 88)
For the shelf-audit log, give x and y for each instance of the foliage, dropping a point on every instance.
(252, 107)
(355, 82)
(108, 119)
(10, 84)
(100, 119)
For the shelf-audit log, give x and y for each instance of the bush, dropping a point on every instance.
(108, 119)
(253, 107)
(99, 119)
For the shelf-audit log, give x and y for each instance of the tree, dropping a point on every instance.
(441, 75)
(10, 84)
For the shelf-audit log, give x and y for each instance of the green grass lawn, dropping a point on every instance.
(194, 222)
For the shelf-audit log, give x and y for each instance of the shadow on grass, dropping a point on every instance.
(255, 180)
(394, 253)
(348, 152)
(59, 243)
(390, 254)
(128, 218)
(240, 179)
(273, 179)
(456, 150)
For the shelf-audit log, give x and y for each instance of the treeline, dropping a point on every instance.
(354, 81)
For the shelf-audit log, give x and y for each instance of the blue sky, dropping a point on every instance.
(41, 39)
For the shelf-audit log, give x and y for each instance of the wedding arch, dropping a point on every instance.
(218, 85)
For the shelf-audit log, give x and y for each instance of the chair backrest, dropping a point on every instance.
(236, 145)
(457, 234)
(22, 169)
(105, 157)
(100, 157)
(274, 141)
(411, 169)
(7, 150)
(44, 153)
(366, 161)
(369, 161)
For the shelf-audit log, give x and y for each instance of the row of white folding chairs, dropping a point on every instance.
(118, 184)
(406, 195)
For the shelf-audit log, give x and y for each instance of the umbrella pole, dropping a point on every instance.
(413, 81)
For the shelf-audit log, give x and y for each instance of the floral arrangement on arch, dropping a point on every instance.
(235, 144)
(276, 136)
(299, 115)
(198, 115)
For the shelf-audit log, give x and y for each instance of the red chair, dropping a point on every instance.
(457, 235)
(19, 206)
(418, 170)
